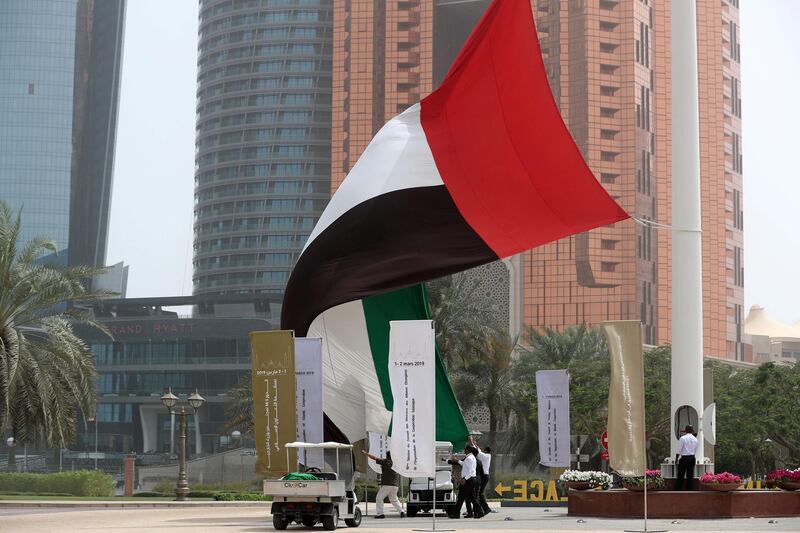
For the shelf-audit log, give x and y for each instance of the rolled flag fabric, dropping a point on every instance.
(626, 422)
(481, 169)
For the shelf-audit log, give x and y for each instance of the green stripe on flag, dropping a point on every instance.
(411, 303)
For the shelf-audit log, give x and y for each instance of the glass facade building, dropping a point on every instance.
(59, 84)
(263, 139)
(153, 350)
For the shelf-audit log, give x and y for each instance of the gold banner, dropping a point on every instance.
(274, 410)
(626, 430)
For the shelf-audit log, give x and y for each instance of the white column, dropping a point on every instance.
(687, 279)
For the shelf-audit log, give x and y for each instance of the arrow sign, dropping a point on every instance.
(500, 489)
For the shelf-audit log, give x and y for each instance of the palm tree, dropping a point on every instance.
(239, 408)
(462, 316)
(580, 350)
(488, 379)
(47, 373)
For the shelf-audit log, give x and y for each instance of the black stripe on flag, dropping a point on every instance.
(391, 241)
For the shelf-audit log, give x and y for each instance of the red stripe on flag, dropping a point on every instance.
(500, 145)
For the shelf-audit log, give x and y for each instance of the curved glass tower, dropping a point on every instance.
(60, 64)
(263, 139)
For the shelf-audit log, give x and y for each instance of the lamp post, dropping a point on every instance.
(12, 455)
(170, 401)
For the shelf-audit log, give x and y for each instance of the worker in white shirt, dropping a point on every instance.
(466, 491)
(484, 457)
(687, 446)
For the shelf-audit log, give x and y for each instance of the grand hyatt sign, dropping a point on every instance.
(151, 329)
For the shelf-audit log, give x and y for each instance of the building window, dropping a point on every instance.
(738, 267)
(736, 146)
(738, 213)
(735, 47)
(607, 266)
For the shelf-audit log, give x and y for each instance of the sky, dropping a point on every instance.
(151, 211)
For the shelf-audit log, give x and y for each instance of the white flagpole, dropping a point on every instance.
(687, 261)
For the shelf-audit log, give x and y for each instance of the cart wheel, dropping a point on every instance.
(356, 520)
(412, 511)
(329, 522)
(278, 522)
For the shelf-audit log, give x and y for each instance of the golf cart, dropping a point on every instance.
(326, 497)
(420, 492)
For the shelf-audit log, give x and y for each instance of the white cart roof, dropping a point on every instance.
(325, 445)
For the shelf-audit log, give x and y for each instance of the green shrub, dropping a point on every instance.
(149, 494)
(241, 497)
(13, 493)
(78, 483)
(167, 486)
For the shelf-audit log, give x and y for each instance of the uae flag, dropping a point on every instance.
(483, 168)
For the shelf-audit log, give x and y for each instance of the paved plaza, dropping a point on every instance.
(256, 519)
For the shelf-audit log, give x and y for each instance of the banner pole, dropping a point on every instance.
(645, 485)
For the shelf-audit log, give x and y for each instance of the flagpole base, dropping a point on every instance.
(646, 530)
(433, 530)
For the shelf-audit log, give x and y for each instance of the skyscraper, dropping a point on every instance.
(263, 139)
(60, 65)
(608, 62)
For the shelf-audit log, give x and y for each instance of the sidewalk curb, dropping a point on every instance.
(12, 504)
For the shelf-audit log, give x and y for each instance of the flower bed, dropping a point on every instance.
(724, 481)
(785, 479)
(588, 479)
(636, 483)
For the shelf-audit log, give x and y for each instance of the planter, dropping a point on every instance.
(788, 485)
(579, 485)
(640, 488)
(720, 487)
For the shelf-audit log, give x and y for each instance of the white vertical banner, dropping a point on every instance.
(378, 446)
(552, 391)
(412, 373)
(308, 372)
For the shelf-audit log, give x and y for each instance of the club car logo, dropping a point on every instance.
(295, 484)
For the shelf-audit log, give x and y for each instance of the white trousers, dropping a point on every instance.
(387, 491)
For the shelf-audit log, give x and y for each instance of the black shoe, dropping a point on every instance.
(478, 516)
(402, 514)
(468, 515)
(453, 517)
(379, 516)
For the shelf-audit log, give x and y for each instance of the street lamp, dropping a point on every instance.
(12, 456)
(170, 401)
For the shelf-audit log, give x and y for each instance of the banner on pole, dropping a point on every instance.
(626, 431)
(412, 376)
(274, 398)
(378, 446)
(308, 372)
(552, 389)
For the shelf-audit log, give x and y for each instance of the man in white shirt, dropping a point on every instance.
(686, 449)
(466, 491)
(484, 457)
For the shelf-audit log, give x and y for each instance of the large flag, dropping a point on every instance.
(481, 169)
(626, 423)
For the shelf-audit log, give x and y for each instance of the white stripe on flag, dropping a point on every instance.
(351, 392)
(397, 158)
